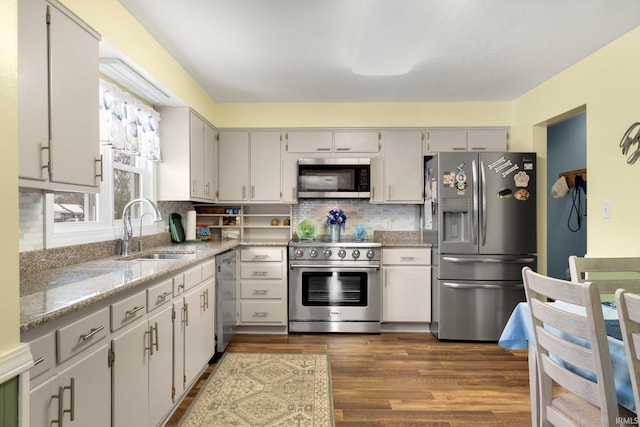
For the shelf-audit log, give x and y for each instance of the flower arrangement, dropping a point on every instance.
(336, 217)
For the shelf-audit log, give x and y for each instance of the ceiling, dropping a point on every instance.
(246, 51)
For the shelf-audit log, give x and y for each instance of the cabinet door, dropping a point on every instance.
(210, 163)
(160, 366)
(73, 80)
(196, 138)
(406, 294)
(91, 392)
(265, 166)
(199, 339)
(309, 141)
(357, 141)
(233, 166)
(43, 406)
(377, 181)
(488, 140)
(439, 140)
(179, 329)
(403, 167)
(289, 181)
(130, 373)
(33, 88)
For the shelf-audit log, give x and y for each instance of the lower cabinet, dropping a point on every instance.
(406, 287)
(142, 367)
(199, 333)
(78, 395)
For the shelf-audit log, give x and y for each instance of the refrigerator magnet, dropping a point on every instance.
(521, 179)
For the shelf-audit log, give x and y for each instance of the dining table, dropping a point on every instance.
(518, 334)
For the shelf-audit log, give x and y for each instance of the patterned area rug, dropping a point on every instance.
(265, 390)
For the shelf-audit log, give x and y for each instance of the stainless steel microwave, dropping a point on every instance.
(334, 178)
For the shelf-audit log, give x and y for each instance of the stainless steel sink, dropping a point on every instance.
(159, 256)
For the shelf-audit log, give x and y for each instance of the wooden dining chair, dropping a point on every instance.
(609, 274)
(567, 398)
(629, 315)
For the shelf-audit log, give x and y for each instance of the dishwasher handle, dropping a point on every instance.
(514, 260)
(481, 286)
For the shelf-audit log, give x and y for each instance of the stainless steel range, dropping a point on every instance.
(334, 286)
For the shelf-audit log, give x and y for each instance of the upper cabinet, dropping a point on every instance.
(335, 142)
(58, 122)
(189, 157)
(490, 139)
(357, 141)
(403, 164)
(249, 168)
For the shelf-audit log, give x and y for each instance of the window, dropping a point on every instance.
(74, 218)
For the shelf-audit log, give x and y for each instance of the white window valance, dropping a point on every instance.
(127, 124)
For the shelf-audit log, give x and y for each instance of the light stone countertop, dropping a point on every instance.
(48, 294)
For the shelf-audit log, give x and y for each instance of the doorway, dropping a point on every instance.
(566, 216)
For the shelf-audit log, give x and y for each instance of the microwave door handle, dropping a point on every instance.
(483, 212)
(474, 202)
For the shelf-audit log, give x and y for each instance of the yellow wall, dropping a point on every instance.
(607, 85)
(9, 303)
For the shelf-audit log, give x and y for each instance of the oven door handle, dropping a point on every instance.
(351, 267)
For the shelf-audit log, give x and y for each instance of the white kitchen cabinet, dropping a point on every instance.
(289, 180)
(79, 395)
(488, 139)
(403, 165)
(58, 120)
(142, 367)
(377, 181)
(199, 335)
(233, 166)
(263, 286)
(357, 141)
(265, 166)
(406, 287)
(189, 157)
(473, 139)
(308, 141)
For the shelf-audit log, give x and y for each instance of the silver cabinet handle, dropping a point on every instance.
(48, 165)
(516, 260)
(38, 361)
(260, 292)
(261, 257)
(260, 314)
(91, 333)
(480, 286)
(60, 397)
(72, 390)
(343, 149)
(134, 310)
(206, 299)
(101, 167)
(244, 192)
(253, 191)
(323, 149)
(185, 310)
(260, 273)
(153, 338)
(157, 341)
(161, 297)
(408, 258)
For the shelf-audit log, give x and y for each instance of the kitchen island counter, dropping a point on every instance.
(49, 294)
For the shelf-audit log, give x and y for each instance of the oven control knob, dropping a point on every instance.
(342, 253)
(299, 253)
(313, 253)
(327, 253)
(355, 254)
(370, 253)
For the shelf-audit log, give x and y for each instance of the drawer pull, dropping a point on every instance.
(72, 390)
(260, 273)
(260, 314)
(91, 333)
(408, 258)
(260, 291)
(261, 257)
(163, 296)
(38, 361)
(134, 310)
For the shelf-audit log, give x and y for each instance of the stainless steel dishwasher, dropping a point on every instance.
(226, 298)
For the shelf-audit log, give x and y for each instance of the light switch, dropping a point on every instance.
(606, 209)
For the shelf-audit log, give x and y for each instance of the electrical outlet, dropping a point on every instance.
(387, 224)
(606, 209)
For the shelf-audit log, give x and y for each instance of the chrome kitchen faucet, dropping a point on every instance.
(126, 222)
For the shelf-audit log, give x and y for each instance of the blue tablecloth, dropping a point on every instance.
(519, 331)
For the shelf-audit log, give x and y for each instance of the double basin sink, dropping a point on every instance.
(158, 256)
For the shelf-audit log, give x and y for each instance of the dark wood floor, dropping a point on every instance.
(398, 379)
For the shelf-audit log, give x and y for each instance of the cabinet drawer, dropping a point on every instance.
(43, 350)
(263, 289)
(82, 334)
(126, 311)
(263, 312)
(261, 270)
(178, 285)
(208, 269)
(159, 294)
(192, 277)
(261, 254)
(406, 256)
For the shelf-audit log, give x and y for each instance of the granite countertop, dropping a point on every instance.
(400, 239)
(48, 294)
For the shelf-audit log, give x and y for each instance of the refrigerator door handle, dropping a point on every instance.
(474, 228)
(480, 286)
(483, 212)
(516, 260)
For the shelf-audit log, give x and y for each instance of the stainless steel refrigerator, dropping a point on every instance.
(480, 217)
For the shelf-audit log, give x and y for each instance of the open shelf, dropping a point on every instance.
(270, 222)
